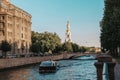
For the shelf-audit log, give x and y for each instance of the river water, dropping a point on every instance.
(75, 69)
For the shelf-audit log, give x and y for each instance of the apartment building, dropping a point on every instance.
(15, 27)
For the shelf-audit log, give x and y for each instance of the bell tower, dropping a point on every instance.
(68, 33)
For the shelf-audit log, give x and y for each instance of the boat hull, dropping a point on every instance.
(48, 69)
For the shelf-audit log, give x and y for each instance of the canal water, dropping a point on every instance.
(81, 68)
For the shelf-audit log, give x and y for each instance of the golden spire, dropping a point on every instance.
(68, 33)
(68, 25)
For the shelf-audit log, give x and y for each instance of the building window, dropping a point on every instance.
(1, 26)
(2, 18)
(9, 18)
(22, 35)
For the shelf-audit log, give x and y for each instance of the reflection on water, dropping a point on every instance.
(68, 70)
(15, 74)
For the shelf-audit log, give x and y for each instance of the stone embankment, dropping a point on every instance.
(15, 62)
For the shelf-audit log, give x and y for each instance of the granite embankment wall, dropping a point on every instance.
(14, 62)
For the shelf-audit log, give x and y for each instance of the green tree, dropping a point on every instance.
(58, 49)
(75, 47)
(35, 48)
(82, 49)
(67, 46)
(34, 37)
(110, 27)
(5, 47)
(47, 41)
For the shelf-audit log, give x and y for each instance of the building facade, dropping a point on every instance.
(15, 27)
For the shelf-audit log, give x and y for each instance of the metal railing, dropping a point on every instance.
(105, 75)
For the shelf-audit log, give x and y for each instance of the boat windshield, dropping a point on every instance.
(46, 63)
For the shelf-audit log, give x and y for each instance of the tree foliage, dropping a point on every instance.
(46, 41)
(58, 49)
(83, 49)
(75, 47)
(110, 27)
(5, 47)
(67, 46)
(35, 47)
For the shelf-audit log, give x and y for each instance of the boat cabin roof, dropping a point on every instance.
(47, 63)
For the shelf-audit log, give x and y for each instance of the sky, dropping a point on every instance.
(52, 15)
